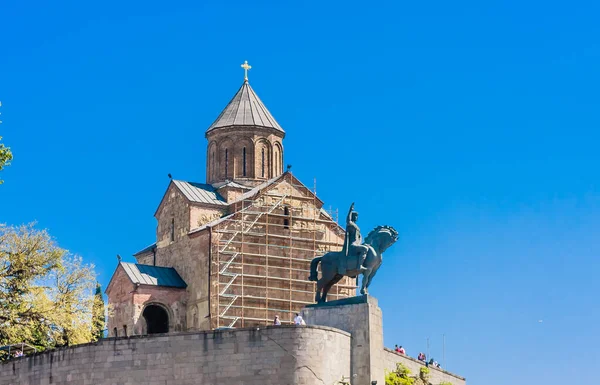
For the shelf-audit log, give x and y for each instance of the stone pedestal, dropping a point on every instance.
(361, 317)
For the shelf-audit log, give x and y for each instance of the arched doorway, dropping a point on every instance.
(157, 319)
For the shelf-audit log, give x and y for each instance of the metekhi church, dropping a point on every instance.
(234, 251)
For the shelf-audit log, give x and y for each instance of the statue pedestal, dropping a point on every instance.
(361, 317)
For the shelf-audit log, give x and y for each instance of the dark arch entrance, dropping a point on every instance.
(157, 319)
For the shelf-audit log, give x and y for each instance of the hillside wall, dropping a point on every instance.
(273, 355)
(436, 376)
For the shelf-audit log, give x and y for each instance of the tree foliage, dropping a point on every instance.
(46, 294)
(423, 378)
(400, 376)
(5, 157)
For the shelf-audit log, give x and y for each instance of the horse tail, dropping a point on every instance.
(313, 269)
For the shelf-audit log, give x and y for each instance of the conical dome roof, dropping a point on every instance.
(245, 109)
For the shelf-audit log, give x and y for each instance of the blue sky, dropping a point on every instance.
(471, 127)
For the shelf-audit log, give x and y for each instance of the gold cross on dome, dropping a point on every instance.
(246, 67)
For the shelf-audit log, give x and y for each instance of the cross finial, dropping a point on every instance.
(246, 67)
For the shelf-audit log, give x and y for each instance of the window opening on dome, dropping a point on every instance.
(244, 161)
(263, 162)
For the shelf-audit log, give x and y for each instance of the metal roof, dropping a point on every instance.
(200, 192)
(153, 275)
(245, 109)
(146, 249)
(228, 183)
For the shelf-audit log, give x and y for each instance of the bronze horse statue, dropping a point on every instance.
(378, 240)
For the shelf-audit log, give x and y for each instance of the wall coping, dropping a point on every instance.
(214, 333)
(422, 364)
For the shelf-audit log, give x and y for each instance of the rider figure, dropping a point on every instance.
(353, 243)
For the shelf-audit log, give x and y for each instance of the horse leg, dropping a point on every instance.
(318, 288)
(370, 278)
(363, 289)
(329, 285)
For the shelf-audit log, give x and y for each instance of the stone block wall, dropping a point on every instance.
(436, 376)
(362, 318)
(282, 355)
(369, 360)
(226, 147)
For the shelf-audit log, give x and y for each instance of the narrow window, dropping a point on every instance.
(214, 166)
(125, 330)
(244, 160)
(286, 220)
(226, 161)
(263, 162)
(115, 332)
(172, 229)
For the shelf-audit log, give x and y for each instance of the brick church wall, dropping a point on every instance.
(127, 303)
(188, 254)
(269, 356)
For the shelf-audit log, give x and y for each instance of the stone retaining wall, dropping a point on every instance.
(266, 356)
(436, 376)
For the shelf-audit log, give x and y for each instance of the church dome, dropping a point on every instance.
(245, 143)
(245, 109)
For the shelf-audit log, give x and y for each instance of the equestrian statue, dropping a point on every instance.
(354, 259)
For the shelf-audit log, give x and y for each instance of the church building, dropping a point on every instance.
(234, 251)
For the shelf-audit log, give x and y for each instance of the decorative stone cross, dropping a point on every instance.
(246, 67)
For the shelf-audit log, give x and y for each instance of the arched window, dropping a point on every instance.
(226, 162)
(213, 166)
(262, 161)
(244, 161)
(286, 220)
(172, 229)
(277, 159)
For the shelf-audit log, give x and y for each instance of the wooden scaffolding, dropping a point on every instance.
(260, 257)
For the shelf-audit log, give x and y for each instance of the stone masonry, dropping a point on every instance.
(282, 355)
(436, 376)
(362, 318)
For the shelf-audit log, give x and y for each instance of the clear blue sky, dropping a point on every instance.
(471, 127)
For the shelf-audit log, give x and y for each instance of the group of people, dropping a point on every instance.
(431, 363)
(298, 320)
(400, 350)
(421, 357)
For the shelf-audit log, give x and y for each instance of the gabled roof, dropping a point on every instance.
(245, 109)
(153, 275)
(200, 192)
(256, 190)
(229, 183)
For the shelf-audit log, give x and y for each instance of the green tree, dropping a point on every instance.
(5, 157)
(5, 154)
(98, 320)
(46, 294)
(400, 376)
(71, 295)
(423, 378)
